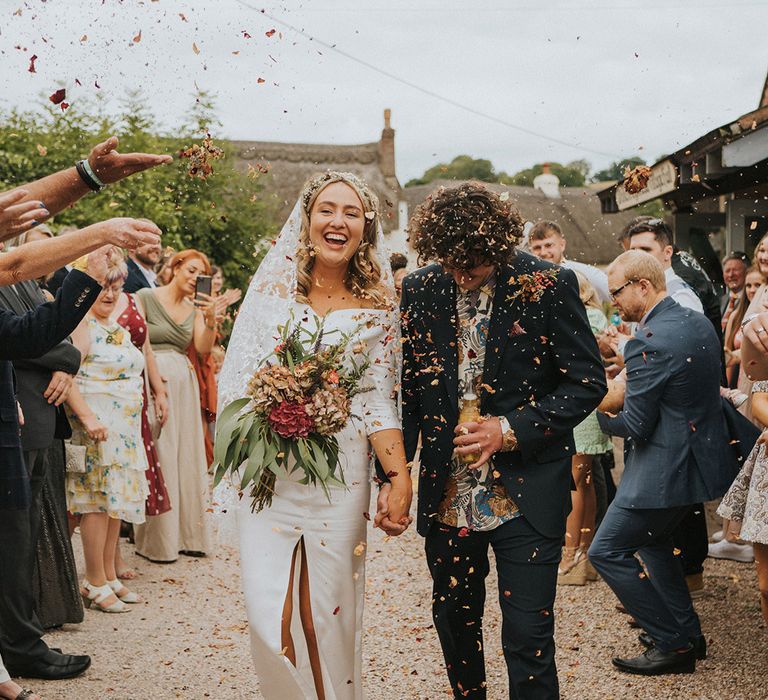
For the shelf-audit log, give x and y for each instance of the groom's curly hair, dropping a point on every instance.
(466, 226)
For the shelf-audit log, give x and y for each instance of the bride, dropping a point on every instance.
(303, 558)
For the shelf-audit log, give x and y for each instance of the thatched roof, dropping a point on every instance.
(291, 164)
(591, 236)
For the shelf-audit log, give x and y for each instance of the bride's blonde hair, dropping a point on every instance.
(363, 276)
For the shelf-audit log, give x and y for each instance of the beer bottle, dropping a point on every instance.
(470, 413)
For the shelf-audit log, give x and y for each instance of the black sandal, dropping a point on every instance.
(25, 694)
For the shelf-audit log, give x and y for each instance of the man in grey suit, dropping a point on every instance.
(677, 444)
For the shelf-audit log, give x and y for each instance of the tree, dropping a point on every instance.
(221, 216)
(615, 171)
(573, 174)
(460, 168)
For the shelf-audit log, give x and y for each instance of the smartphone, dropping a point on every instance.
(203, 285)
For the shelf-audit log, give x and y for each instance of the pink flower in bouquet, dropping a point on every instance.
(332, 377)
(290, 419)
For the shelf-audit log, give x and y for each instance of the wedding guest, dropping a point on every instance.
(513, 329)
(35, 333)
(129, 313)
(177, 321)
(734, 275)
(32, 335)
(684, 265)
(547, 242)
(575, 568)
(753, 280)
(745, 507)
(653, 236)
(42, 386)
(141, 267)
(677, 454)
(105, 407)
(217, 280)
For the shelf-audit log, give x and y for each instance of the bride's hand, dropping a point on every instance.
(393, 506)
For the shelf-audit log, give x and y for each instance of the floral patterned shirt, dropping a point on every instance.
(474, 498)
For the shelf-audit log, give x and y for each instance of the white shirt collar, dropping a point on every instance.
(150, 275)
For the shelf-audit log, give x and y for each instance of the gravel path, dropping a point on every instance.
(190, 640)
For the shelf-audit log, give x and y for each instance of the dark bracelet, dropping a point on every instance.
(86, 176)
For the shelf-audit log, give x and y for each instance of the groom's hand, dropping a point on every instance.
(483, 437)
(382, 519)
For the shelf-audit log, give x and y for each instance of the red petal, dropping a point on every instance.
(336, 611)
(32, 60)
(271, 32)
(58, 97)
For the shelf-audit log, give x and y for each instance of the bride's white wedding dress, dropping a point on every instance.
(333, 534)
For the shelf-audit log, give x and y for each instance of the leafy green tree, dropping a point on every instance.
(615, 171)
(222, 216)
(460, 168)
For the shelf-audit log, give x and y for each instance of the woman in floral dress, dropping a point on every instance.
(746, 503)
(105, 408)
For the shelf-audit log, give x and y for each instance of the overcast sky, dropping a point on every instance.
(610, 78)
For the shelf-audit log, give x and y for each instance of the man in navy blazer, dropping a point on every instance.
(540, 376)
(141, 264)
(677, 444)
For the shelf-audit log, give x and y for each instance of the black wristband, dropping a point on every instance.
(86, 178)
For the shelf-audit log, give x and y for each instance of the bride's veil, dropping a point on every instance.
(268, 303)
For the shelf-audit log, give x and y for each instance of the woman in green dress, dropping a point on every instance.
(175, 319)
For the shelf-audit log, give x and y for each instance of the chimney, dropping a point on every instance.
(387, 147)
(547, 183)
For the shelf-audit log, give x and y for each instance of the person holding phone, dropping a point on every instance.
(180, 316)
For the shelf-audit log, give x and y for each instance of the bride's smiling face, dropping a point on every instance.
(336, 225)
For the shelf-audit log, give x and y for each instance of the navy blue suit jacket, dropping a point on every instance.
(677, 452)
(32, 335)
(135, 280)
(542, 371)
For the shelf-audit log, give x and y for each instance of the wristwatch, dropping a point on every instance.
(508, 435)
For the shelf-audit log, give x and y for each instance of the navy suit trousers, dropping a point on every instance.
(657, 596)
(526, 564)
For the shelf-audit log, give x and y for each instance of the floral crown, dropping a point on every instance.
(318, 182)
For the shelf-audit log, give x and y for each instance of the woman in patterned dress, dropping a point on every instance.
(105, 407)
(746, 503)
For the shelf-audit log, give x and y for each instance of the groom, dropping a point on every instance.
(489, 319)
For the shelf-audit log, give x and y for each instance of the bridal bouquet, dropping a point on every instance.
(297, 401)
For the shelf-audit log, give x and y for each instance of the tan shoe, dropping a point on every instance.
(573, 568)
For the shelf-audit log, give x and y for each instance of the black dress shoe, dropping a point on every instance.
(51, 666)
(656, 663)
(699, 644)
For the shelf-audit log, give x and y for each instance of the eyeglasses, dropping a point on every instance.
(615, 293)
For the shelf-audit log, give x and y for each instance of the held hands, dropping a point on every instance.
(16, 216)
(111, 166)
(59, 388)
(392, 509)
(484, 437)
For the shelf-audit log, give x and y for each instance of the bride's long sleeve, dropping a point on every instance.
(381, 403)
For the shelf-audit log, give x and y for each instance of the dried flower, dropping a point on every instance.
(330, 409)
(270, 385)
(289, 419)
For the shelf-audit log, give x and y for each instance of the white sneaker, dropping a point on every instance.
(731, 550)
(718, 536)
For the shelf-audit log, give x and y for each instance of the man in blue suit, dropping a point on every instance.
(677, 444)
